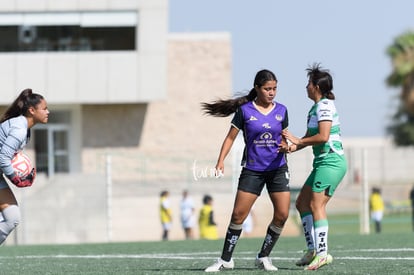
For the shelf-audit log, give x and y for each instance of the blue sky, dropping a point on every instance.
(347, 37)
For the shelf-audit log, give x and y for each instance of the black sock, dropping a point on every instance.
(272, 235)
(232, 236)
(378, 227)
(165, 235)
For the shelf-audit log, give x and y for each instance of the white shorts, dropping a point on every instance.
(188, 222)
(377, 215)
(166, 226)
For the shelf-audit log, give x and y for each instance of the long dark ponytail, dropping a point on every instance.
(223, 108)
(21, 104)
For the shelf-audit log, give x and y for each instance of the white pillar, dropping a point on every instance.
(364, 215)
(108, 198)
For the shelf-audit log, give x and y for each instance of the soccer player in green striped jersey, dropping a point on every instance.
(329, 166)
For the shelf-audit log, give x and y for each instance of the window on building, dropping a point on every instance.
(51, 142)
(87, 31)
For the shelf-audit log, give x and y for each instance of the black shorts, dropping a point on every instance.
(275, 180)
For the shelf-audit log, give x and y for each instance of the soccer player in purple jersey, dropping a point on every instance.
(261, 120)
(27, 110)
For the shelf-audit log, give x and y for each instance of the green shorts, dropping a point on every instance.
(327, 173)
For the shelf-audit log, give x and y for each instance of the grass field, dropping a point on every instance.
(350, 223)
(353, 254)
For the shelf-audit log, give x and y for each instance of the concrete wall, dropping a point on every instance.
(199, 70)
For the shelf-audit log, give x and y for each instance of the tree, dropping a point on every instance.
(402, 76)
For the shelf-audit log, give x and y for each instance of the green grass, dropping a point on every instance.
(350, 223)
(353, 254)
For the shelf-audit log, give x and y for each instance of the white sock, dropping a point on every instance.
(11, 218)
(321, 237)
(309, 231)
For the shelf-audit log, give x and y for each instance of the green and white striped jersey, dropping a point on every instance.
(325, 110)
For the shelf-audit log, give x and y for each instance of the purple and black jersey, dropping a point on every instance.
(262, 135)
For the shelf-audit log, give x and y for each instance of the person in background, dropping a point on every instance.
(412, 206)
(376, 207)
(27, 110)
(165, 214)
(329, 166)
(187, 215)
(261, 120)
(206, 223)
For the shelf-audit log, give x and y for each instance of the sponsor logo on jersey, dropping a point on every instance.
(266, 135)
(325, 114)
(252, 118)
(266, 140)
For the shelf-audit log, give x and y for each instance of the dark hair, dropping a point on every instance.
(321, 78)
(376, 190)
(207, 199)
(164, 193)
(223, 108)
(21, 104)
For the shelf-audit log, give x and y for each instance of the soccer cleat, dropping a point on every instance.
(220, 264)
(307, 258)
(265, 263)
(319, 261)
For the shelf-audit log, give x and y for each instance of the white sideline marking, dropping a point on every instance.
(176, 257)
(206, 255)
(383, 249)
(375, 258)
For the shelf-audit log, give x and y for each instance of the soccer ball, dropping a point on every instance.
(22, 164)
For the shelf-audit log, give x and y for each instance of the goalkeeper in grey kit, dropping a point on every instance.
(27, 110)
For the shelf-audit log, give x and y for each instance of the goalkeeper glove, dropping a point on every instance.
(23, 181)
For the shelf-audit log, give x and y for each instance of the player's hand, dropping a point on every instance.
(22, 182)
(31, 177)
(289, 136)
(292, 148)
(283, 148)
(219, 171)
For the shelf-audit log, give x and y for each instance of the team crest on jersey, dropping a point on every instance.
(278, 117)
(266, 125)
(252, 118)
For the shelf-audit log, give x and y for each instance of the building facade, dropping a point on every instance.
(98, 63)
(118, 85)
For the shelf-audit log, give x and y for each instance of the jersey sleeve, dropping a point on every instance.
(285, 122)
(238, 120)
(325, 111)
(12, 144)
